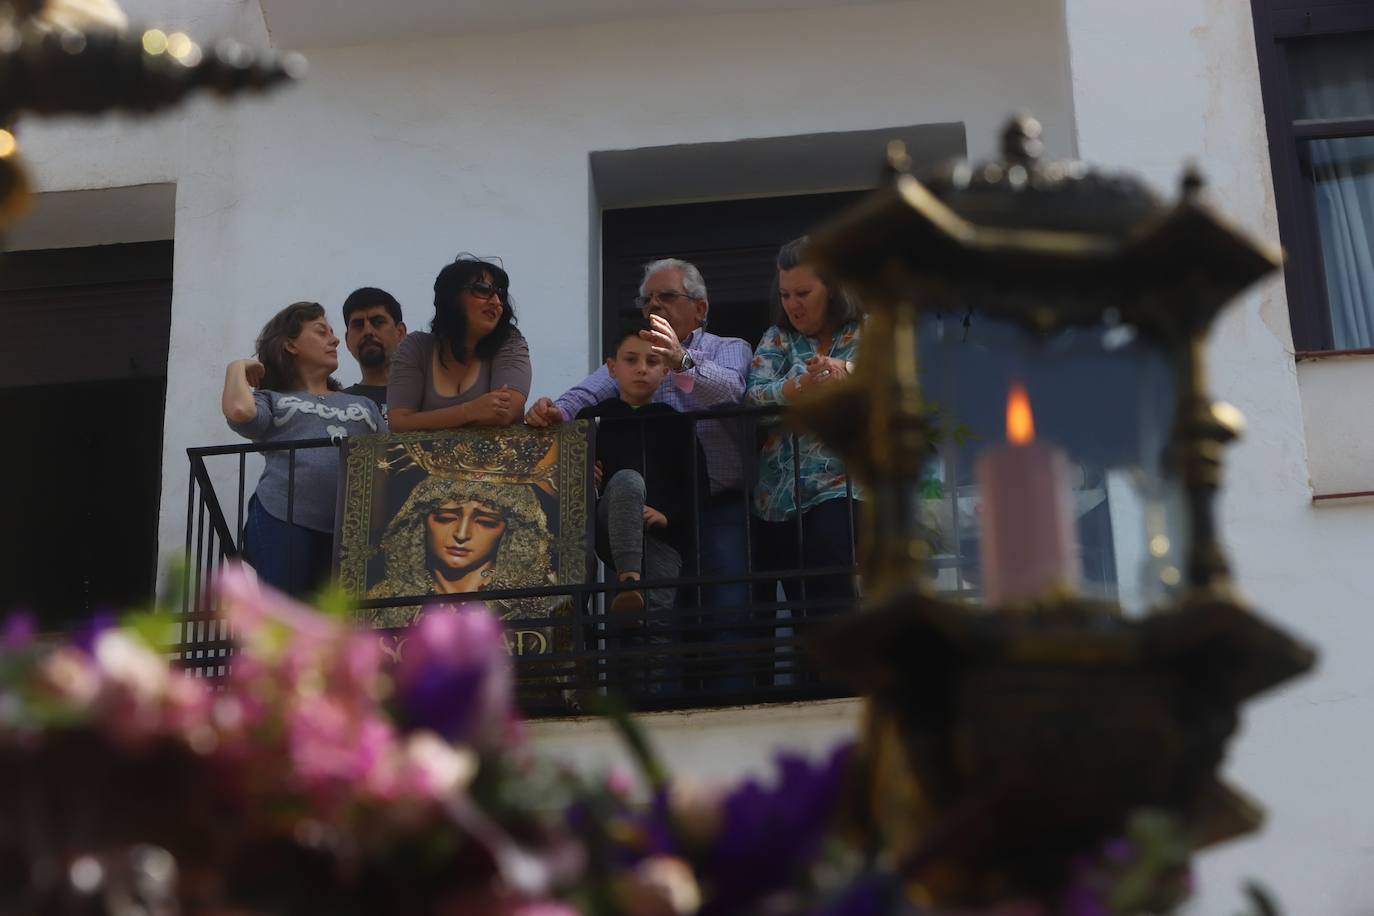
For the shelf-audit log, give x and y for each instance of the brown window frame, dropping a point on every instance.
(1278, 23)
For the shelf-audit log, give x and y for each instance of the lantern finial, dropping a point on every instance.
(898, 160)
(1192, 182)
(1021, 139)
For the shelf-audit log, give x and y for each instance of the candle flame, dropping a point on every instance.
(1020, 422)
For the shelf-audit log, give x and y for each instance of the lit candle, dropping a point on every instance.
(1027, 523)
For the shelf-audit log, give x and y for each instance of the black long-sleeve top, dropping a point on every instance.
(659, 443)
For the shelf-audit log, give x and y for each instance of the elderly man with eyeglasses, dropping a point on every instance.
(707, 371)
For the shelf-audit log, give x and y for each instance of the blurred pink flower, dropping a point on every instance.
(186, 706)
(357, 666)
(698, 811)
(541, 908)
(130, 663)
(329, 741)
(257, 613)
(69, 675)
(672, 882)
(434, 768)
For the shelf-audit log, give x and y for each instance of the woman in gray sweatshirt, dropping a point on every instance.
(288, 393)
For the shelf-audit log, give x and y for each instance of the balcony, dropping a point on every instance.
(693, 656)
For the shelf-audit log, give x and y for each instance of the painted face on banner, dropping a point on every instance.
(464, 535)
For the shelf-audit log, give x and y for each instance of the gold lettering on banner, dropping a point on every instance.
(520, 642)
(517, 643)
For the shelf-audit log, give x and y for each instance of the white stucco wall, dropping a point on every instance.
(1337, 396)
(391, 158)
(1154, 84)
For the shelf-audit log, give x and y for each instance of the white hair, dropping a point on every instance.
(691, 277)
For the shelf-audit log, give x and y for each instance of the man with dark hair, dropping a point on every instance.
(373, 331)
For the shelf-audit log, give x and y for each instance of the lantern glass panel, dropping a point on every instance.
(1048, 468)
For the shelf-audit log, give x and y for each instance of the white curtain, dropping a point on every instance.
(1334, 78)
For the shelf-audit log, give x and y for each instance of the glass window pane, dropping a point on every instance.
(1332, 75)
(1342, 175)
(1100, 409)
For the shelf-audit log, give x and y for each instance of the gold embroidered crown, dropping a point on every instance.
(506, 457)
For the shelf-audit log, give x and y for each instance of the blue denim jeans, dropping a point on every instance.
(724, 552)
(287, 557)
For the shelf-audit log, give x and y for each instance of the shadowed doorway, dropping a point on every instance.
(83, 378)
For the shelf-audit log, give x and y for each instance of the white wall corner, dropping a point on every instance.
(1337, 400)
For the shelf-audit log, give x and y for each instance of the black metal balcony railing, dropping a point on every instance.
(691, 656)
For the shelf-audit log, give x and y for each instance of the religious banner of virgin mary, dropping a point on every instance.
(428, 514)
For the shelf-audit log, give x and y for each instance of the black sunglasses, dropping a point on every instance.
(485, 291)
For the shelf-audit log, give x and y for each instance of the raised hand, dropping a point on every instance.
(253, 371)
(663, 340)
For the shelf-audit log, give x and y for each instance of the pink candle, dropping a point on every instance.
(1027, 523)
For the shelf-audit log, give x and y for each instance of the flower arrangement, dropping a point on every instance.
(318, 776)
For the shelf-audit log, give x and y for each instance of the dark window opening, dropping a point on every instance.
(83, 377)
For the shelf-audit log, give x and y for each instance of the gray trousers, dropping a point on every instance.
(625, 546)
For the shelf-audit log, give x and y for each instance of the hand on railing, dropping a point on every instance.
(495, 408)
(544, 413)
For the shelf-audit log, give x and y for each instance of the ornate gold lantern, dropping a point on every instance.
(1050, 638)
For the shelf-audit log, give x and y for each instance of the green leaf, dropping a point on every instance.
(335, 601)
(156, 627)
(175, 583)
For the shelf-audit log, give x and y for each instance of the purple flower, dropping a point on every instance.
(769, 835)
(18, 630)
(85, 636)
(1119, 851)
(1084, 900)
(454, 677)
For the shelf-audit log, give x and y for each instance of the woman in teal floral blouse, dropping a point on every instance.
(814, 341)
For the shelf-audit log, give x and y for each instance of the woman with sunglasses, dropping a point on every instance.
(473, 366)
